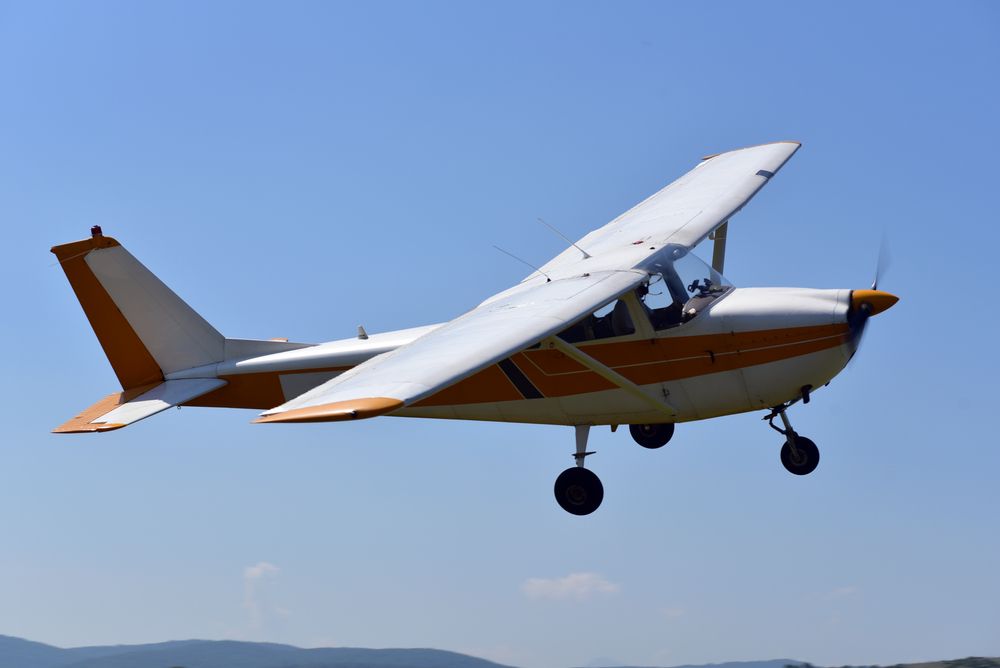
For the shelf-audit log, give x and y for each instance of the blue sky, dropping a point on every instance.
(295, 169)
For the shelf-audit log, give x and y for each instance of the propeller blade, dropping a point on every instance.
(884, 260)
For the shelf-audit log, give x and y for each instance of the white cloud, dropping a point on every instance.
(577, 586)
(672, 613)
(252, 580)
(843, 592)
(259, 570)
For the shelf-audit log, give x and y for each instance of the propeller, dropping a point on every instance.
(866, 303)
(883, 262)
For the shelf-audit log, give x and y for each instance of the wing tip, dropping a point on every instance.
(798, 144)
(71, 428)
(353, 409)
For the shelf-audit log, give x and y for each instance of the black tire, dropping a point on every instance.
(807, 460)
(579, 491)
(652, 436)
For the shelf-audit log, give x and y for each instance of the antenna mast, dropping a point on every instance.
(586, 255)
(525, 262)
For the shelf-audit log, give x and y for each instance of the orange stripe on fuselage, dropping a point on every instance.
(643, 362)
(651, 361)
(252, 390)
(489, 385)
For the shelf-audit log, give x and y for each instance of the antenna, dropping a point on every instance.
(547, 279)
(586, 255)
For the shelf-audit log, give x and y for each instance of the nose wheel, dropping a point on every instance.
(799, 455)
(803, 459)
(578, 490)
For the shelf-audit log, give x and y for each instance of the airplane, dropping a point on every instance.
(625, 327)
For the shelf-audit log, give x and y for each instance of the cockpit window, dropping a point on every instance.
(606, 322)
(682, 287)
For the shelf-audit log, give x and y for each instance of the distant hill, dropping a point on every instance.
(970, 662)
(19, 653)
(772, 663)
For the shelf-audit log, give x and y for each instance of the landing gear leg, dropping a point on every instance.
(799, 455)
(578, 490)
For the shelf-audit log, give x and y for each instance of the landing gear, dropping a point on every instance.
(652, 436)
(578, 490)
(799, 455)
(803, 460)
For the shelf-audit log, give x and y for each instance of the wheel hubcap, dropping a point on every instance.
(576, 495)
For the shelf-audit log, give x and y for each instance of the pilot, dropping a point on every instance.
(661, 318)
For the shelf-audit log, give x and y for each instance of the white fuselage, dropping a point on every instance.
(751, 349)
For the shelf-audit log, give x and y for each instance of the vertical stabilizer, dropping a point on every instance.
(145, 329)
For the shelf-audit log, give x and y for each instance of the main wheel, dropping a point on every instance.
(652, 435)
(805, 459)
(579, 491)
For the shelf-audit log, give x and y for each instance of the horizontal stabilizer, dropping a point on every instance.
(123, 408)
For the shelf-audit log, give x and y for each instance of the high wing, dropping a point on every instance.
(614, 260)
(685, 212)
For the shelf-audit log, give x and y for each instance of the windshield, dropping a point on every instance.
(680, 286)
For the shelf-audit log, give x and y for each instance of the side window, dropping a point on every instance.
(665, 308)
(672, 298)
(608, 321)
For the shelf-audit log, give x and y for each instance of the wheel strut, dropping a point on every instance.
(790, 435)
(799, 455)
(582, 434)
(578, 490)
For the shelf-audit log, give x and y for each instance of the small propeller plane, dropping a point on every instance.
(626, 326)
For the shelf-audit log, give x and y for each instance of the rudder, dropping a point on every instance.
(145, 329)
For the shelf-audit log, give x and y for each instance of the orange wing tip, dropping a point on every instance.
(70, 428)
(878, 300)
(355, 409)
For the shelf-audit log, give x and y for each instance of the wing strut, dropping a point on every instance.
(609, 374)
(719, 247)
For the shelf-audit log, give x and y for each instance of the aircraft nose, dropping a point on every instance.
(871, 302)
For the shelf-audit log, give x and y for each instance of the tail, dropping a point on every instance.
(146, 330)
